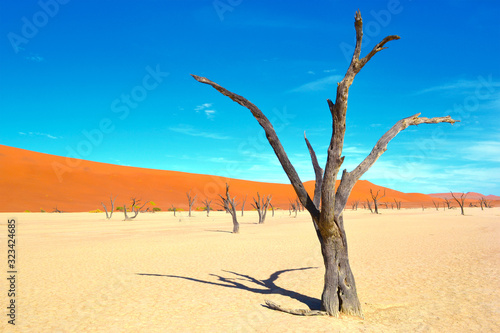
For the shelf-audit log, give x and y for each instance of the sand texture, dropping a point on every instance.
(416, 271)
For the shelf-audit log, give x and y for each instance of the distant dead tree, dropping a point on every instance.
(229, 204)
(460, 201)
(385, 204)
(135, 208)
(57, 210)
(447, 202)
(174, 209)
(191, 201)
(108, 216)
(243, 205)
(436, 204)
(354, 205)
(339, 292)
(398, 204)
(364, 205)
(207, 204)
(272, 208)
(293, 208)
(483, 203)
(369, 205)
(261, 205)
(375, 199)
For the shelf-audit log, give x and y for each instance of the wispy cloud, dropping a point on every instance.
(207, 109)
(318, 85)
(189, 130)
(482, 151)
(35, 58)
(461, 85)
(40, 134)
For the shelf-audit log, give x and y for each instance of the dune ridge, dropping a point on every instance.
(33, 181)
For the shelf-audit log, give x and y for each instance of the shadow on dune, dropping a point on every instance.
(264, 287)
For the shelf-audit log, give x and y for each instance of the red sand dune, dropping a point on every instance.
(470, 196)
(34, 181)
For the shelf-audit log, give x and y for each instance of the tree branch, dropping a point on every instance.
(273, 141)
(350, 178)
(318, 172)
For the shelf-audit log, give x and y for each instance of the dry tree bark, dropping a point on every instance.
(207, 204)
(261, 205)
(375, 199)
(460, 201)
(339, 293)
(112, 207)
(191, 201)
(229, 205)
(135, 209)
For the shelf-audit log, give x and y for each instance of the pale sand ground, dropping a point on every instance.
(415, 272)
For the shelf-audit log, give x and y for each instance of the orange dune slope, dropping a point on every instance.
(32, 181)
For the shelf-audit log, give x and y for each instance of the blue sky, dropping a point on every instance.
(109, 81)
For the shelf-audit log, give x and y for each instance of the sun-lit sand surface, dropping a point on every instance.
(416, 271)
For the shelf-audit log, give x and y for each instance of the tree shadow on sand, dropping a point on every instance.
(264, 287)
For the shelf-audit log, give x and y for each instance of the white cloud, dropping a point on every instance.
(481, 151)
(207, 109)
(481, 84)
(40, 134)
(35, 58)
(320, 84)
(188, 130)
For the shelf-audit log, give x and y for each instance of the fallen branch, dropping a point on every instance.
(297, 312)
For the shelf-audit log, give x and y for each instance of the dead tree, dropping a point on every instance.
(484, 203)
(398, 204)
(135, 208)
(293, 208)
(448, 203)
(354, 205)
(207, 204)
(174, 209)
(375, 199)
(108, 216)
(191, 201)
(369, 205)
(261, 205)
(272, 208)
(229, 205)
(339, 293)
(436, 204)
(243, 205)
(460, 201)
(57, 210)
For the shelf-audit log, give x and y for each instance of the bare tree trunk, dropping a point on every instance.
(243, 205)
(375, 199)
(135, 209)
(369, 205)
(436, 204)
(229, 205)
(261, 205)
(207, 204)
(339, 294)
(112, 207)
(460, 202)
(191, 201)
